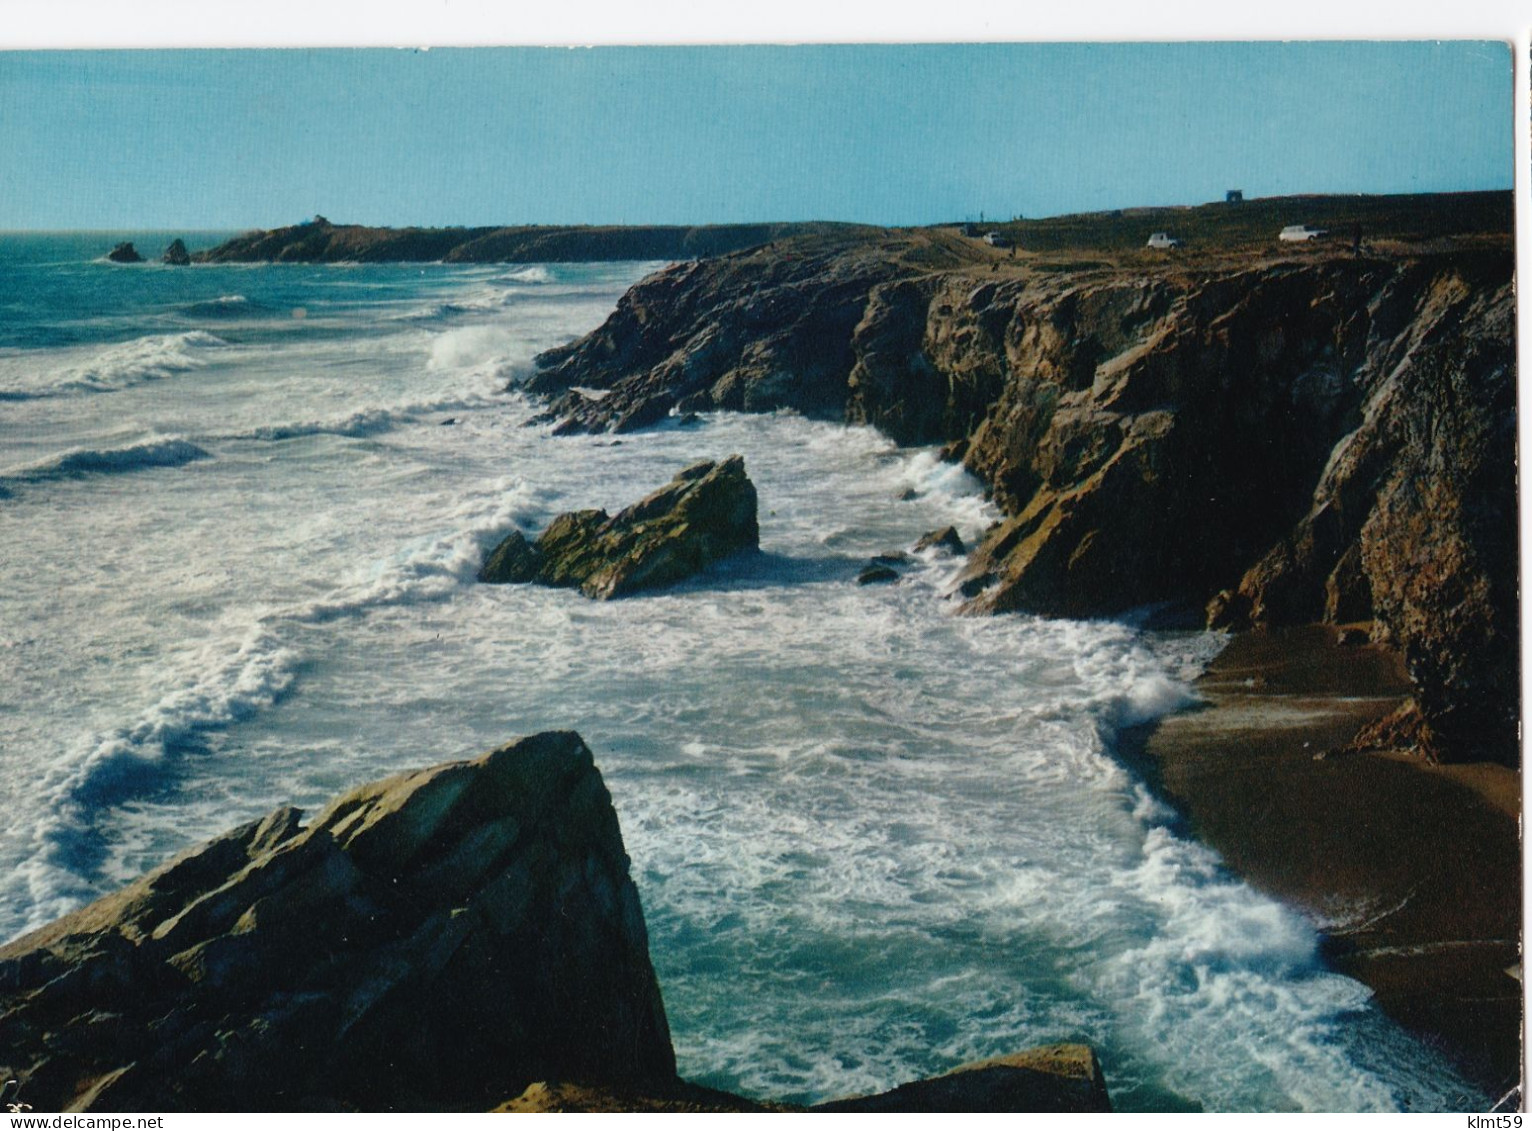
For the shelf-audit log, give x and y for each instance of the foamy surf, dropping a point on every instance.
(905, 829)
(160, 452)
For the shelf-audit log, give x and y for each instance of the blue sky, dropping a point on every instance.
(883, 134)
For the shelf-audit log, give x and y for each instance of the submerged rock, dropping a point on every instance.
(877, 574)
(705, 513)
(175, 254)
(437, 940)
(124, 253)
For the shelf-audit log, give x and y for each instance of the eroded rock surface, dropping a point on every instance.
(1328, 438)
(706, 513)
(438, 940)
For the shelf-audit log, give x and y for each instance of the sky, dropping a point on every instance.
(885, 134)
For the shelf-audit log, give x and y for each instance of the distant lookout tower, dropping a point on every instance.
(1234, 196)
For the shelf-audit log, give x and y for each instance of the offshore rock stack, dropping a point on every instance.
(706, 513)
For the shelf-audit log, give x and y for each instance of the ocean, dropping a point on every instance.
(241, 513)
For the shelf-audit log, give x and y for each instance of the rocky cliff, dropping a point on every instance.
(1276, 439)
(460, 938)
(436, 941)
(320, 241)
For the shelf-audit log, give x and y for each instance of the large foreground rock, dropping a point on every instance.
(705, 513)
(465, 937)
(439, 940)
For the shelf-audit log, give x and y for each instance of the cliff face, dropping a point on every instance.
(436, 941)
(1317, 438)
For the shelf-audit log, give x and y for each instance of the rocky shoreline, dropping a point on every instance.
(1411, 870)
(460, 938)
(1316, 438)
(1313, 449)
(1301, 448)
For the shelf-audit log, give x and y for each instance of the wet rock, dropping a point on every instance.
(514, 561)
(1054, 1078)
(175, 254)
(439, 940)
(706, 513)
(124, 253)
(946, 539)
(877, 575)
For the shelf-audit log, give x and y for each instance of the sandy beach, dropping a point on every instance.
(1413, 871)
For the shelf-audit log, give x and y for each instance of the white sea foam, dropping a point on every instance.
(158, 452)
(46, 373)
(143, 359)
(904, 829)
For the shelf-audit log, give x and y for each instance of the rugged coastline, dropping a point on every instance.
(1313, 448)
(1255, 439)
(460, 938)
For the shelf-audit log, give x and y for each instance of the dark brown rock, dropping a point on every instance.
(946, 539)
(706, 513)
(877, 575)
(513, 561)
(124, 253)
(1053, 1078)
(435, 941)
(175, 254)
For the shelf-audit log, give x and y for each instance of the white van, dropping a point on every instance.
(1163, 240)
(1300, 233)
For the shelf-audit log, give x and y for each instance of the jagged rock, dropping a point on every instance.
(946, 539)
(514, 561)
(560, 1096)
(706, 513)
(175, 254)
(438, 940)
(124, 253)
